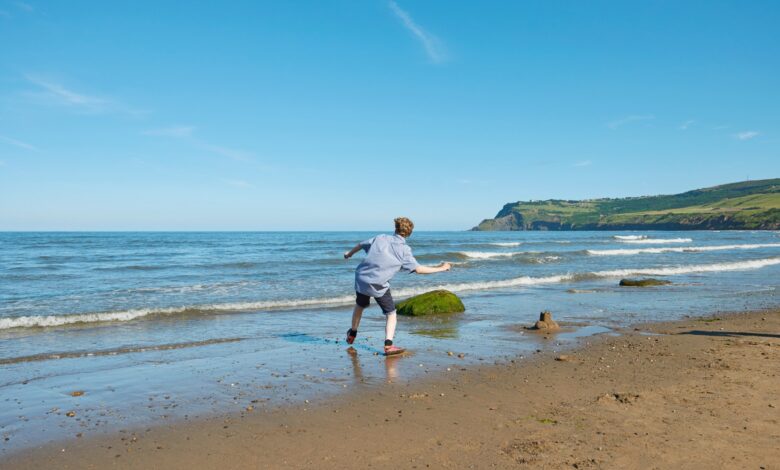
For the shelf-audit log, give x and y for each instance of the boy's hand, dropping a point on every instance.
(446, 266)
(347, 255)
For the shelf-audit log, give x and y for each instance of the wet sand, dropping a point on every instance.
(699, 393)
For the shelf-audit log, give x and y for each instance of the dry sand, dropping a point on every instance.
(701, 394)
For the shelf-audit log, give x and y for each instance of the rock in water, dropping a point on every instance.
(437, 301)
(643, 282)
(546, 322)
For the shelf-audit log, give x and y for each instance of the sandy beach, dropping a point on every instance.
(389, 235)
(699, 393)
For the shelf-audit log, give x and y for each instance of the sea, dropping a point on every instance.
(102, 331)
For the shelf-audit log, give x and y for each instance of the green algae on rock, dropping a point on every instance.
(643, 282)
(437, 301)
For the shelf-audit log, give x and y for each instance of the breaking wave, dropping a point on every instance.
(133, 314)
(629, 237)
(490, 254)
(508, 244)
(690, 269)
(545, 259)
(657, 241)
(681, 249)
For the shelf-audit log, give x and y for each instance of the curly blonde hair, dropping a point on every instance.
(403, 226)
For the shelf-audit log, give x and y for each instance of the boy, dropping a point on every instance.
(386, 255)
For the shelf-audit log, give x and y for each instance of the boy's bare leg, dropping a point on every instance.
(357, 314)
(391, 321)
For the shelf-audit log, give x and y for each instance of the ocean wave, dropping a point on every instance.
(545, 259)
(691, 269)
(508, 244)
(33, 321)
(219, 287)
(233, 265)
(680, 249)
(489, 254)
(131, 267)
(115, 351)
(629, 237)
(657, 241)
(133, 314)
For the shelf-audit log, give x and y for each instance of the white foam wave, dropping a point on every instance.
(506, 244)
(487, 285)
(660, 271)
(690, 269)
(59, 320)
(546, 259)
(681, 249)
(488, 254)
(458, 263)
(629, 237)
(132, 314)
(658, 241)
(128, 315)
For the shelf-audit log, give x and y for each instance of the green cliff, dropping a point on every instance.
(751, 205)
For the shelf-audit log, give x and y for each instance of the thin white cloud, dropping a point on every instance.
(178, 132)
(629, 119)
(18, 143)
(746, 135)
(55, 94)
(583, 163)
(685, 125)
(430, 43)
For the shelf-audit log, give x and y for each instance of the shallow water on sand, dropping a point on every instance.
(163, 326)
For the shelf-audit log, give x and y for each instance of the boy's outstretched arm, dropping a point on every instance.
(433, 269)
(354, 250)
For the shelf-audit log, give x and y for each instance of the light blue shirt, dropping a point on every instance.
(386, 255)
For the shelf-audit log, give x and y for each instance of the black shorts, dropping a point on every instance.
(385, 302)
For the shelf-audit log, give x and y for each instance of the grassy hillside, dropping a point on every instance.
(745, 205)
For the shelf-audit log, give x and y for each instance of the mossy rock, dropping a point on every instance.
(643, 282)
(429, 303)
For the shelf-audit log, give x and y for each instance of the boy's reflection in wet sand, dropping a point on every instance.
(357, 370)
(391, 366)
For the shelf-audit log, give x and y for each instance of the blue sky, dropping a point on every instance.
(340, 115)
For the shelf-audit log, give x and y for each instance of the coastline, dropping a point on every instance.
(695, 393)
